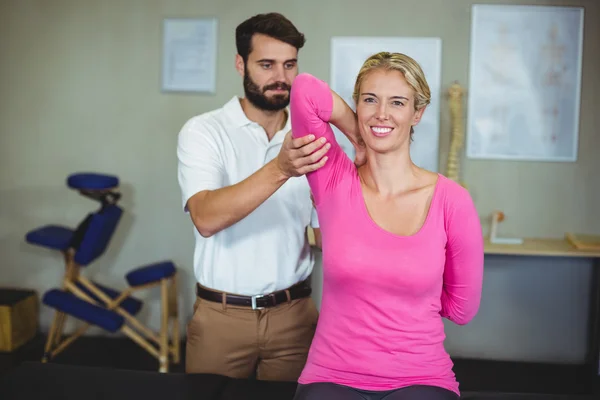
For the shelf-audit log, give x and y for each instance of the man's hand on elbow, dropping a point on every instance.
(299, 156)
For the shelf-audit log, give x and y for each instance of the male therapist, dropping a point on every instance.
(242, 180)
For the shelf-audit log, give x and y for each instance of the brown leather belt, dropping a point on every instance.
(297, 291)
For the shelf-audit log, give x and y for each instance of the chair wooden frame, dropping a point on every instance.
(161, 346)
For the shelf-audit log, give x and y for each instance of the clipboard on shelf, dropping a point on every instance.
(583, 241)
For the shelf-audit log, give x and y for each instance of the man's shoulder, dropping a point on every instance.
(208, 119)
(211, 123)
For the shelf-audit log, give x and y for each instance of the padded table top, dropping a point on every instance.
(34, 380)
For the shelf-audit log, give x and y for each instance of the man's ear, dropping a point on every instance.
(239, 65)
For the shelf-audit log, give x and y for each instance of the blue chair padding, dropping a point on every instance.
(81, 309)
(51, 236)
(150, 273)
(98, 234)
(130, 304)
(92, 181)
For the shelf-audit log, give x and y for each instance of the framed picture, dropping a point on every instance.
(524, 83)
(189, 55)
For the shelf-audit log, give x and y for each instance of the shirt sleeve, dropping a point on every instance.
(311, 105)
(200, 164)
(463, 273)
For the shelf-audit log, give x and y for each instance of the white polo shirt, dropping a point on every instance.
(268, 250)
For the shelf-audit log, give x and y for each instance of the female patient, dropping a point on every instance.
(402, 246)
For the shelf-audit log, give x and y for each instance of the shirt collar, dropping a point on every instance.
(234, 111)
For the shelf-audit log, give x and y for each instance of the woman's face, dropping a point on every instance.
(385, 110)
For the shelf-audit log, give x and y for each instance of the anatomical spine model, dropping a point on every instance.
(458, 137)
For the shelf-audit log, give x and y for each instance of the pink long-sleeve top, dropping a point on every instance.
(384, 295)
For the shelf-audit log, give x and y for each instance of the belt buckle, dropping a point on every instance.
(253, 299)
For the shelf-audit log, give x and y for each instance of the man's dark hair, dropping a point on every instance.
(274, 25)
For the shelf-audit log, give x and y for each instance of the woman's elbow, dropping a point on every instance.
(303, 82)
(303, 91)
(462, 318)
(460, 314)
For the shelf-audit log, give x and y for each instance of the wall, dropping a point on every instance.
(80, 90)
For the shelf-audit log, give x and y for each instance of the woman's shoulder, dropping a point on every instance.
(452, 193)
(451, 186)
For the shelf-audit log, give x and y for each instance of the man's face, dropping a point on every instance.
(269, 72)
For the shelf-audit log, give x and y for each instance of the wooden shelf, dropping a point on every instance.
(530, 247)
(539, 247)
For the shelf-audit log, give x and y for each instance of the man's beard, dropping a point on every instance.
(256, 95)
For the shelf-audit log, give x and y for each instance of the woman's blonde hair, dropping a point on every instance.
(410, 69)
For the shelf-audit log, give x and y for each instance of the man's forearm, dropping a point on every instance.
(215, 210)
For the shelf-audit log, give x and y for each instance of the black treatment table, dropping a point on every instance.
(51, 381)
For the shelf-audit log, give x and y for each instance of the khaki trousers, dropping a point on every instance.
(237, 341)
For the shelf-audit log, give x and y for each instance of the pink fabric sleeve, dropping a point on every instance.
(311, 105)
(463, 273)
